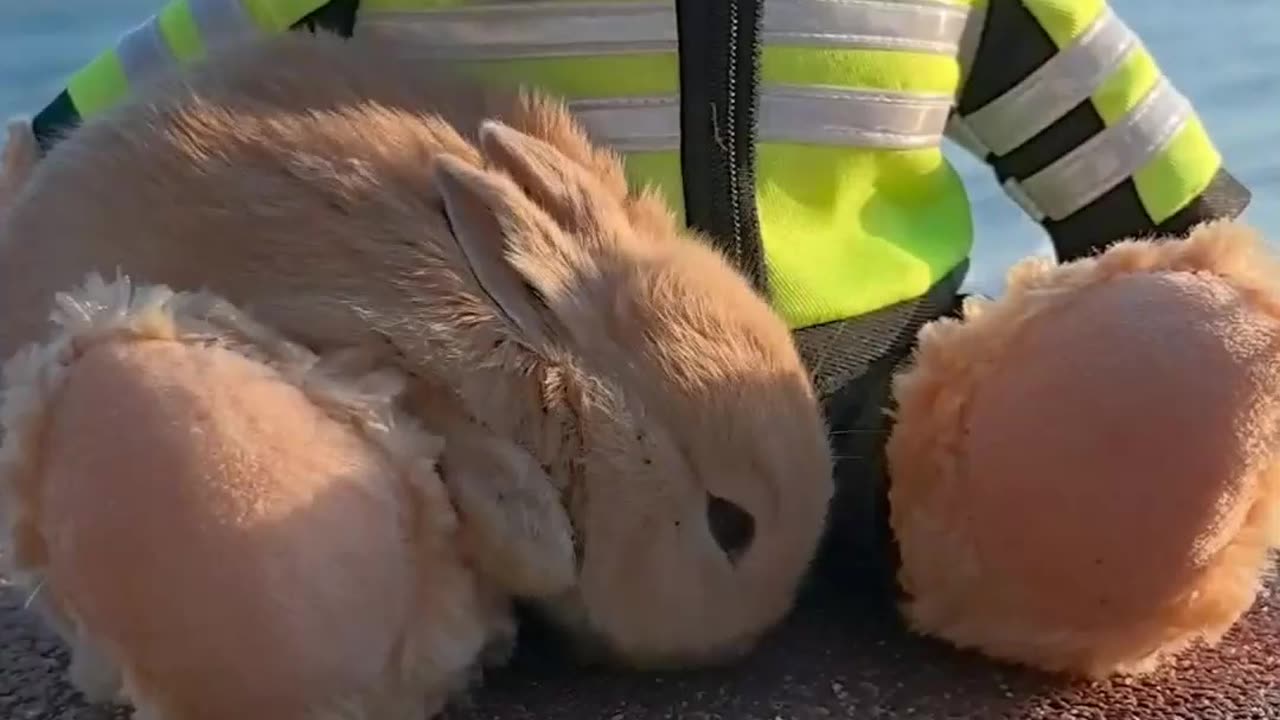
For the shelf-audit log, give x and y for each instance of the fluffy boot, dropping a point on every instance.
(224, 526)
(1084, 473)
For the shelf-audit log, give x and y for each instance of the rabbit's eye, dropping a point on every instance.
(731, 526)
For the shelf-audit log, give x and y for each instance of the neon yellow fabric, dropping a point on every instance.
(1127, 86)
(1064, 20)
(98, 85)
(575, 78)
(849, 231)
(180, 31)
(102, 83)
(872, 69)
(1181, 171)
(275, 16)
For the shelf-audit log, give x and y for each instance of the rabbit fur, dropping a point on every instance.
(630, 438)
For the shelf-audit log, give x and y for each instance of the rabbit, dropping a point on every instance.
(630, 440)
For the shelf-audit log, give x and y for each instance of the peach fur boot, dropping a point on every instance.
(223, 525)
(1084, 471)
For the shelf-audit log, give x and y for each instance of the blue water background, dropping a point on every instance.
(1224, 54)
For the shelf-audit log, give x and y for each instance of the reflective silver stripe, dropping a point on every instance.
(875, 24)
(633, 124)
(1057, 86)
(537, 29)
(565, 29)
(1024, 201)
(1110, 157)
(961, 134)
(221, 21)
(143, 52)
(787, 114)
(852, 117)
(970, 39)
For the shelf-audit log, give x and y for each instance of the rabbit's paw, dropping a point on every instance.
(239, 533)
(1084, 473)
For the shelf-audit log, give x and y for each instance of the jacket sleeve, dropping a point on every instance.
(180, 33)
(1082, 129)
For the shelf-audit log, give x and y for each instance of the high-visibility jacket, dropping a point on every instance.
(803, 136)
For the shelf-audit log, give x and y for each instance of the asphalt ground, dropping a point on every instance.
(839, 656)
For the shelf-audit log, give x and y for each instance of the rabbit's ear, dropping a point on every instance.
(493, 222)
(513, 519)
(561, 186)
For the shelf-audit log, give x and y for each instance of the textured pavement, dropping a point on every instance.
(839, 657)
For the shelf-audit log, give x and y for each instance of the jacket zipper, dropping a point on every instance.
(719, 95)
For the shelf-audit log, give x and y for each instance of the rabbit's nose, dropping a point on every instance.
(731, 526)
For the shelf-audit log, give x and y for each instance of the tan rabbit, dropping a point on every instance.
(630, 438)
